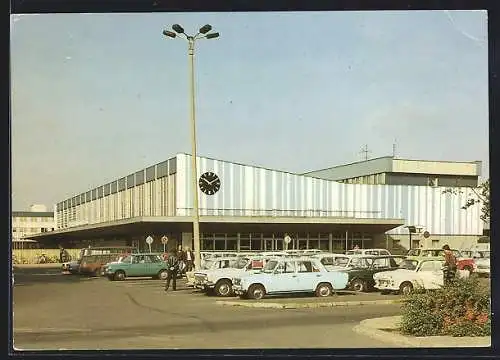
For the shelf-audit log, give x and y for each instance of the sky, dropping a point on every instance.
(95, 97)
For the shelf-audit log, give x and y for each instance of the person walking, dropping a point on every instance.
(172, 269)
(189, 259)
(450, 265)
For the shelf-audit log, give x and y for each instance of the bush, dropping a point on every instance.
(461, 308)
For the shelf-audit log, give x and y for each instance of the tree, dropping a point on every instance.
(482, 196)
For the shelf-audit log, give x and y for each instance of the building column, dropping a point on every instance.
(330, 242)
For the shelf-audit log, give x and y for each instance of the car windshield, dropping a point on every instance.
(208, 264)
(341, 261)
(127, 259)
(408, 264)
(240, 263)
(270, 266)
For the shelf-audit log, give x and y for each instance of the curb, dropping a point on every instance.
(374, 329)
(308, 305)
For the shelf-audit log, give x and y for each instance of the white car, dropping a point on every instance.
(220, 280)
(212, 264)
(290, 275)
(373, 252)
(412, 273)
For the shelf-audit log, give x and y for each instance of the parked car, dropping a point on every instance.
(220, 280)
(290, 275)
(481, 260)
(71, 267)
(425, 272)
(344, 262)
(463, 262)
(212, 264)
(361, 277)
(374, 252)
(137, 265)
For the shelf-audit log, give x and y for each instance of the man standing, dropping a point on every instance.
(172, 269)
(450, 265)
(189, 259)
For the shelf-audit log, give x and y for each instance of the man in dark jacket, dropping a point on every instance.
(450, 265)
(172, 269)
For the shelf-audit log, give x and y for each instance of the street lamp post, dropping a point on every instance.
(203, 33)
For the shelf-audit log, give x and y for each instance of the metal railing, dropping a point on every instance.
(280, 212)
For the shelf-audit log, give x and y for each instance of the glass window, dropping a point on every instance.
(289, 267)
(256, 241)
(207, 242)
(381, 263)
(304, 266)
(172, 166)
(328, 261)
(139, 177)
(114, 187)
(427, 266)
(121, 184)
(107, 189)
(94, 194)
(408, 264)
(162, 169)
(270, 266)
(130, 181)
(150, 173)
(232, 242)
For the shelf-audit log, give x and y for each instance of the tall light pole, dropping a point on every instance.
(203, 33)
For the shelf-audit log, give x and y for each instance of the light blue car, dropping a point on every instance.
(289, 275)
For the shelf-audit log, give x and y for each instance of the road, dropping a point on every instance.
(54, 311)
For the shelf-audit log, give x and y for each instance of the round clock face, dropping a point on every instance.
(209, 183)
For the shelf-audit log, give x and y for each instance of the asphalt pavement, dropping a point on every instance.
(54, 311)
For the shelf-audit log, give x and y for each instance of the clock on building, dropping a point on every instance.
(209, 183)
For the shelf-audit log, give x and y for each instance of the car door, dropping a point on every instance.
(430, 275)
(285, 278)
(307, 279)
(136, 266)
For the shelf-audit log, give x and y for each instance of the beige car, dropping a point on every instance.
(210, 264)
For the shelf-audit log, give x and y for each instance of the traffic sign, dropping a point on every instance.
(426, 234)
(287, 239)
(164, 240)
(149, 240)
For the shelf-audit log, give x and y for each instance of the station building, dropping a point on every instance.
(26, 223)
(248, 208)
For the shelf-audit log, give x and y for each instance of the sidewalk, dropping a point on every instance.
(341, 299)
(38, 266)
(385, 329)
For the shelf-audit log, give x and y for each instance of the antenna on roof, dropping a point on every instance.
(394, 148)
(365, 151)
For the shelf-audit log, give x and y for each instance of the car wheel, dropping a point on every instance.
(324, 290)
(223, 288)
(406, 288)
(163, 274)
(358, 285)
(256, 292)
(110, 278)
(119, 275)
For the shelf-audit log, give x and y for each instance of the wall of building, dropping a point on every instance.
(253, 191)
(362, 168)
(26, 223)
(148, 192)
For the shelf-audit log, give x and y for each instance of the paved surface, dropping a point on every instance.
(54, 311)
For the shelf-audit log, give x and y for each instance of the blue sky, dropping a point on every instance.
(98, 96)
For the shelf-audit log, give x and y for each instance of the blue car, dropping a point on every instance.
(289, 275)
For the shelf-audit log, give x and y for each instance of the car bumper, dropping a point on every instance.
(385, 286)
(204, 286)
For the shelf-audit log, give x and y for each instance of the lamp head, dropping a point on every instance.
(206, 28)
(178, 29)
(169, 33)
(212, 35)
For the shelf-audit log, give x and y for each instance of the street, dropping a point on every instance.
(54, 311)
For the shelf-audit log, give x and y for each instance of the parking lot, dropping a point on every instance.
(55, 311)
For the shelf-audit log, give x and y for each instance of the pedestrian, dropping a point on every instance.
(61, 254)
(450, 265)
(172, 269)
(189, 259)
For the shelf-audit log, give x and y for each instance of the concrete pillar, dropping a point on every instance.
(187, 240)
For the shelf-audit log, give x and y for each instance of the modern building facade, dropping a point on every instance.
(244, 207)
(26, 223)
(389, 170)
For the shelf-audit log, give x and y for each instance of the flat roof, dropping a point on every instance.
(32, 214)
(150, 225)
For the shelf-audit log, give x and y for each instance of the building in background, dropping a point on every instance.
(253, 208)
(26, 223)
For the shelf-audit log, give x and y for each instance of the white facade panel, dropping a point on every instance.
(245, 187)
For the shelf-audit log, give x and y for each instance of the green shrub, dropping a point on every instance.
(461, 308)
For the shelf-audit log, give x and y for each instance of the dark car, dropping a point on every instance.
(361, 277)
